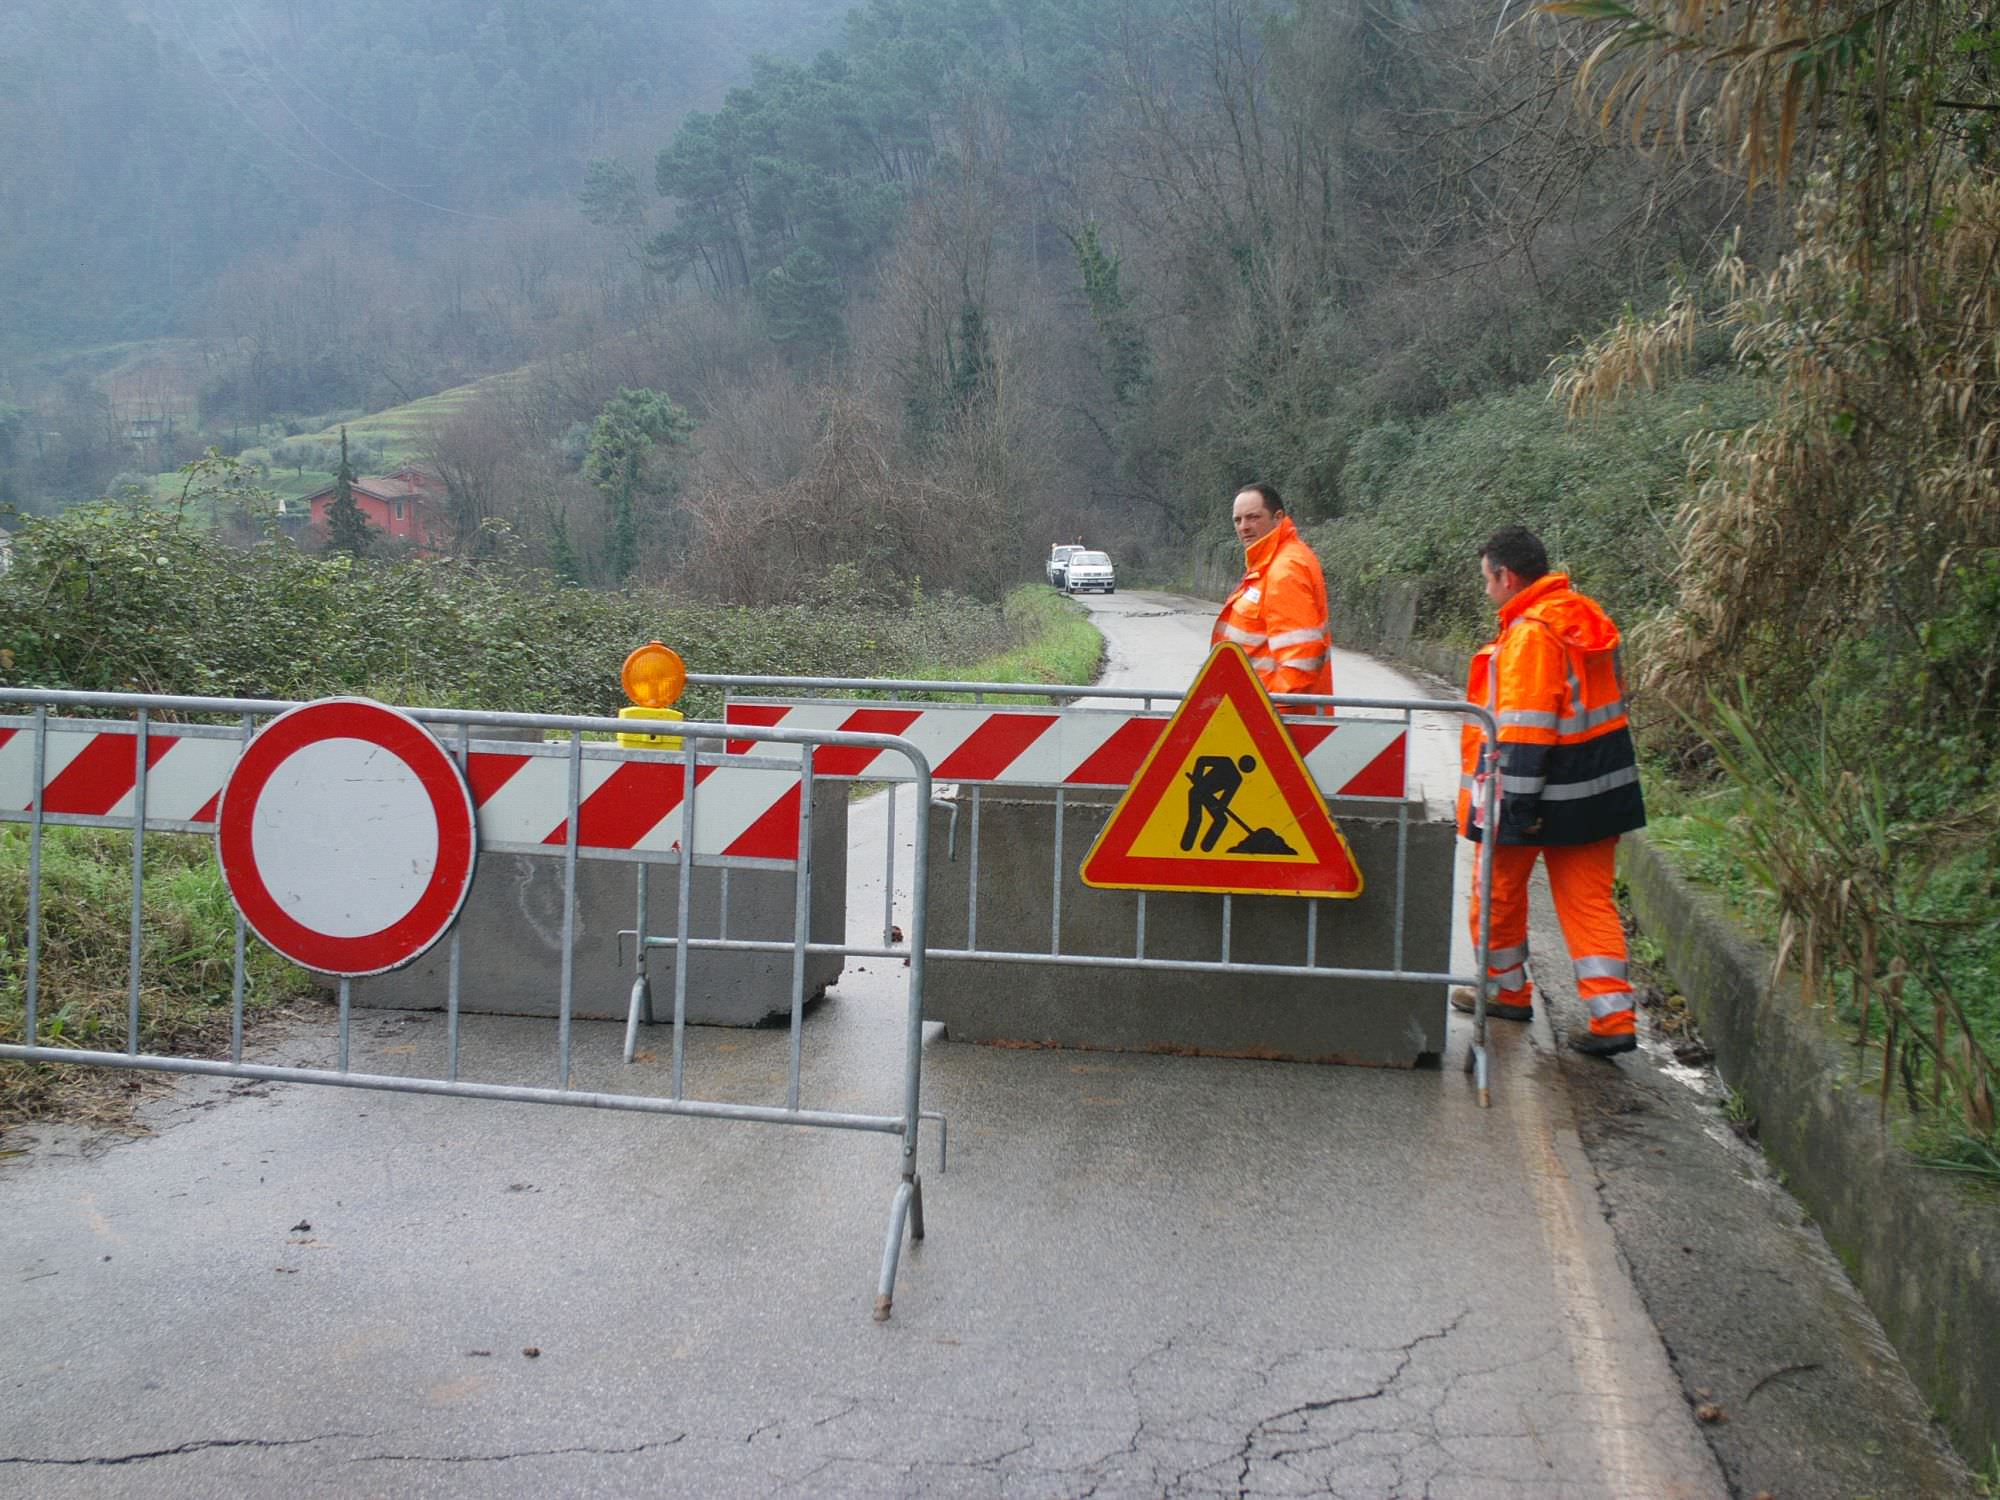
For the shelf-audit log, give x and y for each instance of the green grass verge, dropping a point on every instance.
(1698, 836)
(1057, 645)
(186, 953)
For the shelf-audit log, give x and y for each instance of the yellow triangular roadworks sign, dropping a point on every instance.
(1224, 803)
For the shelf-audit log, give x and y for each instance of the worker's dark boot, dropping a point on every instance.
(1590, 1044)
(1464, 998)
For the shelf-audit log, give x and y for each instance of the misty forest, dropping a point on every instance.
(753, 287)
(719, 300)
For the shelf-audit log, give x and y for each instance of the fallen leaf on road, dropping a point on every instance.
(1708, 1411)
(531, 1352)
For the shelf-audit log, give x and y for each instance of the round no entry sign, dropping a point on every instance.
(347, 837)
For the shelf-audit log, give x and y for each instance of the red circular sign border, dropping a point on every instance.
(412, 934)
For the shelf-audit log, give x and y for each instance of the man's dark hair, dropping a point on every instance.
(1268, 493)
(1518, 549)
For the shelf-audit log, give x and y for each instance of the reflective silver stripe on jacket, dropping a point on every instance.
(1307, 663)
(1600, 968)
(1524, 786)
(1615, 1003)
(1576, 791)
(1300, 637)
(1578, 723)
(1528, 718)
(1242, 637)
(1264, 663)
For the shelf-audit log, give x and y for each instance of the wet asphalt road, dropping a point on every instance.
(1143, 1276)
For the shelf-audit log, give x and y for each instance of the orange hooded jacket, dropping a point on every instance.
(1278, 614)
(1555, 679)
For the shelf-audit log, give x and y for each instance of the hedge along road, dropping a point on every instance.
(1145, 1275)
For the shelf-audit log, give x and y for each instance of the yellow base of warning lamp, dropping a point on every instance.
(653, 677)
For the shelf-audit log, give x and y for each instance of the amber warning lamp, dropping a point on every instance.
(653, 677)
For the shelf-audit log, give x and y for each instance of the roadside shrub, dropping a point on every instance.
(1603, 496)
(114, 598)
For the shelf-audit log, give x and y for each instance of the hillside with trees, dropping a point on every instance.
(1054, 265)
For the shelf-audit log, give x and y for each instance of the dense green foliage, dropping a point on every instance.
(1424, 496)
(113, 599)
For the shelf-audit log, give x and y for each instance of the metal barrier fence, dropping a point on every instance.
(974, 739)
(163, 768)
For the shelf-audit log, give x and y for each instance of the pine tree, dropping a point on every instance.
(634, 431)
(562, 553)
(346, 526)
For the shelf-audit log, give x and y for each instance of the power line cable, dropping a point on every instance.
(353, 173)
(248, 34)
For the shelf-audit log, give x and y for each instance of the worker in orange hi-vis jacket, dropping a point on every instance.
(1569, 784)
(1278, 612)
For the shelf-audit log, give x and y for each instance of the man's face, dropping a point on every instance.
(1252, 517)
(1501, 584)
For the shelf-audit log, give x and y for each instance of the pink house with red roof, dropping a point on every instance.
(408, 505)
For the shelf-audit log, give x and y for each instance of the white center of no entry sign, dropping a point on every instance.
(347, 837)
(351, 875)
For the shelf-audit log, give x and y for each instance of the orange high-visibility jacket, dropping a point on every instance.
(1278, 614)
(1555, 679)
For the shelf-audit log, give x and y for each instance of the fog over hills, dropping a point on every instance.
(146, 145)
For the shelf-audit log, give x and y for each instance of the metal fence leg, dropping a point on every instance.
(899, 1213)
(139, 778)
(642, 990)
(31, 1034)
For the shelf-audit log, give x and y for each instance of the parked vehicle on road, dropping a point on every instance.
(1059, 556)
(1089, 570)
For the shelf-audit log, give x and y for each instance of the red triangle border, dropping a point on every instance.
(1226, 675)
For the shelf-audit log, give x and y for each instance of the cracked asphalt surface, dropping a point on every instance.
(1144, 1275)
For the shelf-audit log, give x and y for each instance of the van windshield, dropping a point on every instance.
(1092, 558)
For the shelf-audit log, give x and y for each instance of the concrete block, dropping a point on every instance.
(1378, 1022)
(511, 950)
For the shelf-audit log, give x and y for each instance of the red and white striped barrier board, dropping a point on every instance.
(630, 803)
(968, 742)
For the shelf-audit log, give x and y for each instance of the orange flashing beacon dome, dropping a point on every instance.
(653, 677)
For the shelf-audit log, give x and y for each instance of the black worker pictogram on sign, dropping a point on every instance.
(1224, 803)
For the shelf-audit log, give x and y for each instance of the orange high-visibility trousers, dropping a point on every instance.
(1580, 878)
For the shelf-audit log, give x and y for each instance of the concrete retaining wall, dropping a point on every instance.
(1375, 1022)
(511, 954)
(1923, 1248)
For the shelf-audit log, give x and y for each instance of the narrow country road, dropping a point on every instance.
(1145, 1275)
